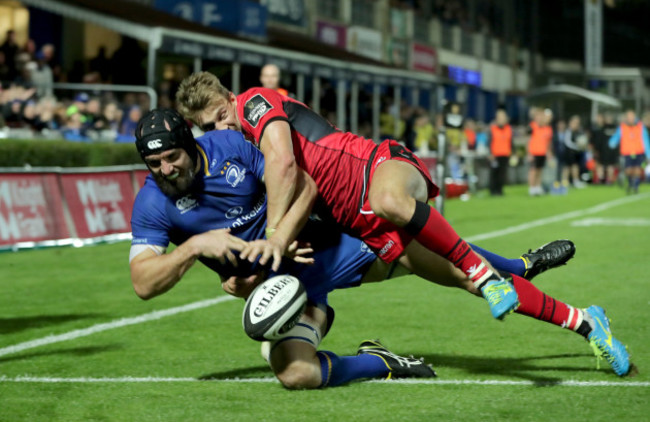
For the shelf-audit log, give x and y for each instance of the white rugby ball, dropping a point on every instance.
(274, 307)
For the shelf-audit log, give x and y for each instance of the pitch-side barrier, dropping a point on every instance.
(53, 206)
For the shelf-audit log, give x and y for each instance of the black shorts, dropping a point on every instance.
(607, 156)
(571, 157)
(539, 161)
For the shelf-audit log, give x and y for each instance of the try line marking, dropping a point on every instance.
(151, 316)
(556, 218)
(559, 383)
(118, 323)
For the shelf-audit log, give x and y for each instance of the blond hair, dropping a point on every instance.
(197, 92)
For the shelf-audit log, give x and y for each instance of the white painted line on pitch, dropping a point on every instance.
(123, 322)
(612, 222)
(556, 218)
(205, 303)
(563, 383)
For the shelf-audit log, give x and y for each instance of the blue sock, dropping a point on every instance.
(338, 370)
(515, 266)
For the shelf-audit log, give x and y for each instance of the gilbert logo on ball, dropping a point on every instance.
(274, 307)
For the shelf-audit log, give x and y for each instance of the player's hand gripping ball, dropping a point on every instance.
(274, 307)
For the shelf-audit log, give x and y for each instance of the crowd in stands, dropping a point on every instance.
(30, 106)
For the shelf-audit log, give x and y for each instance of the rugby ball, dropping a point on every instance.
(274, 307)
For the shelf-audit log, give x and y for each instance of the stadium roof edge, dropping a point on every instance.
(150, 25)
(571, 90)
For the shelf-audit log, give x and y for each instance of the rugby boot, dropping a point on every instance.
(399, 366)
(550, 255)
(604, 344)
(501, 296)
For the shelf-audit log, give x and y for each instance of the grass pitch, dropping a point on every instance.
(180, 366)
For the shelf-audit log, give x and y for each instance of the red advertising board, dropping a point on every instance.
(30, 208)
(140, 176)
(424, 58)
(99, 203)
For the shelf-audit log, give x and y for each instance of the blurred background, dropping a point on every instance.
(433, 74)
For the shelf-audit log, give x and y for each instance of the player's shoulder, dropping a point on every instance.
(216, 140)
(258, 105)
(149, 198)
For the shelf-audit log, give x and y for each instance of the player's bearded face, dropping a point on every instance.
(173, 172)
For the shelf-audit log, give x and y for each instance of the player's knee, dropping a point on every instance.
(391, 206)
(300, 375)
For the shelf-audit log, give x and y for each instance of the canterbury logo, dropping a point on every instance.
(156, 143)
(471, 269)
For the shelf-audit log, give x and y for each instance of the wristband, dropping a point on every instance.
(269, 232)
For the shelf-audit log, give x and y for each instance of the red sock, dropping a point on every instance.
(431, 229)
(536, 304)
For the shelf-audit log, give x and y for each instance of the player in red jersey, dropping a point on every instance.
(377, 192)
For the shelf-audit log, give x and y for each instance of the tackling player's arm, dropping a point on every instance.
(280, 170)
(153, 274)
(281, 240)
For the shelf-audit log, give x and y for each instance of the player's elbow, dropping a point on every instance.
(143, 291)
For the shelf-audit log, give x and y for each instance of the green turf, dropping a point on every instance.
(55, 291)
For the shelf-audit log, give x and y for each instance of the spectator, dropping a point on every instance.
(539, 147)
(575, 142)
(456, 143)
(48, 51)
(13, 114)
(129, 52)
(605, 157)
(558, 152)
(425, 139)
(632, 137)
(41, 76)
(270, 78)
(129, 124)
(29, 118)
(91, 115)
(100, 64)
(500, 147)
(5, 74)
(46, 114)
(106, 122)
(79, 106)
(469, 131)
(73, 129)
(10, 50)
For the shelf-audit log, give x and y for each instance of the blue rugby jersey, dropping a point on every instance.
(230, 194)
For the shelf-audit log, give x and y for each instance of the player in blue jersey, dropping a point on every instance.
(214, 203)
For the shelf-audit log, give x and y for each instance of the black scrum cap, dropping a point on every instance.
(164, 129)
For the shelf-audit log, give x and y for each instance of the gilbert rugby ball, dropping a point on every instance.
(274, 307)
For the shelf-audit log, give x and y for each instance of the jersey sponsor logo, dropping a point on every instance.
(234, 212)
(240, 221)
(255, 108)
(186, 203)
(387, 247)
(154, 144)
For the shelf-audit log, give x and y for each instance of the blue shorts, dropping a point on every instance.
(634, 160)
